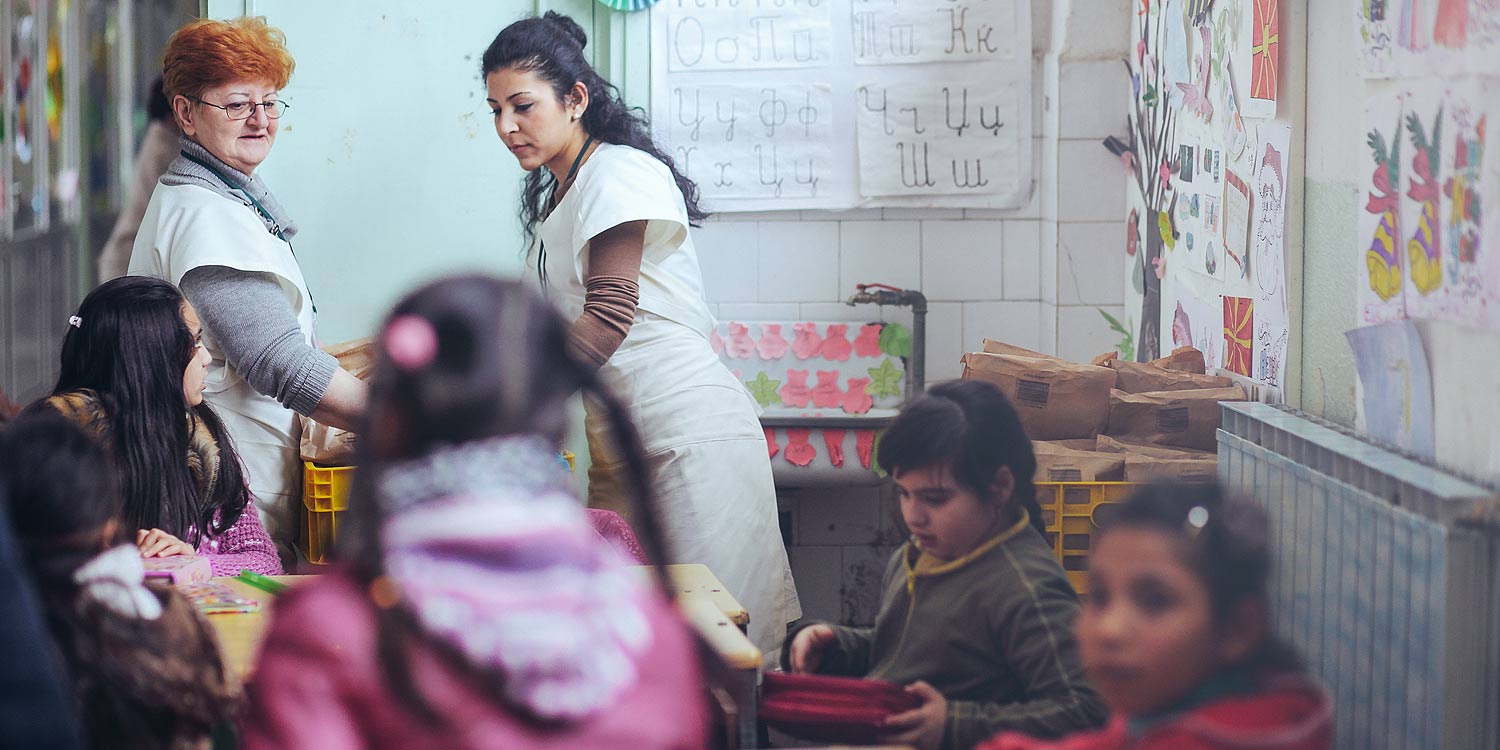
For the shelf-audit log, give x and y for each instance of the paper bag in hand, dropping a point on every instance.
(1056, 400)
(1187, 419)
(330, 446)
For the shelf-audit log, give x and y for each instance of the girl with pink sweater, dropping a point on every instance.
(475, 605)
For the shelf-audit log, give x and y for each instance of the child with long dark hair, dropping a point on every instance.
(1175, 633)
(476, 607)
(609, 214)
(133, 371)
(144, 668)
(976, 613)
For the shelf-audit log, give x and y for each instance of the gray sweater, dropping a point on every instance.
(257, 332)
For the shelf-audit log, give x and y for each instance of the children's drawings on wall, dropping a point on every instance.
(1237, 199)
(1376, 27)
(1267, 266)
(837, 104)
(1200, 211)
(1239, 334)
(1265, 57)
(747, 36)
(1425, 247)
(754, 141)
(1396, 384)
(1199, 323)
(1435, 37)
(889, 32)
(1421, 219)
(1380, 242)
(938, 138)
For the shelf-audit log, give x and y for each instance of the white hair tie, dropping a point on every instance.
(75, 321)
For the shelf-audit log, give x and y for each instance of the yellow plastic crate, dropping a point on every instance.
(325, 495)
(1073, 512)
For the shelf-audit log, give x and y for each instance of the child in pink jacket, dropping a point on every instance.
(476, 606)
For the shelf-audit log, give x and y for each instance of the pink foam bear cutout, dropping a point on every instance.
(826, 394)
(715, 341)
(795, 392)
(771, 345)
(833, 440)
(771, 445)
(856, 400)
(799, 452)
(740, 345)
(836, 346)
(867, 343)
(807, 340)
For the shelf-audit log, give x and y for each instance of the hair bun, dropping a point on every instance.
(568, 26)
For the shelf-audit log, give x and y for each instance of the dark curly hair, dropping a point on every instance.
(551, 45)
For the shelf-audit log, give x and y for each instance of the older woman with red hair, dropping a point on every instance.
(214, 228)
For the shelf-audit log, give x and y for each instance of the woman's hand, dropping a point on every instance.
(807, 647)
(158, 543)
(922, 727)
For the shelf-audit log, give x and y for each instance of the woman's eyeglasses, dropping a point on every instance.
(246, 110)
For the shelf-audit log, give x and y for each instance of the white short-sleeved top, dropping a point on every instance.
(186, 227)
(620, 184)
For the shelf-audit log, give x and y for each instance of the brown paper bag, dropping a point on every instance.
(1147, 468)
(1138, 377)
(991, 346)
(1056, 400)
(1183, 359)
(1187, 419)
(1104, 360)
(330, 446)
(1055, 462)
(1107, 444)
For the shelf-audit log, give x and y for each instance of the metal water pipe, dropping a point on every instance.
(885, 294)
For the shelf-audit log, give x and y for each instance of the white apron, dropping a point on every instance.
(186, 227)
(704, 444)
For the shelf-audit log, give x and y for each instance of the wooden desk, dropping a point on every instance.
(240, 635)
(696, 579)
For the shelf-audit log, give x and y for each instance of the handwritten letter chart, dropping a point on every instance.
(834, 104)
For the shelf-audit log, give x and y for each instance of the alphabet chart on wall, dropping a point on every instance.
(836, 104)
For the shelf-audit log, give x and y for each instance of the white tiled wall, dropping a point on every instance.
(1035, 276)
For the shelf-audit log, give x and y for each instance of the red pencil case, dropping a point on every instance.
(830, 709)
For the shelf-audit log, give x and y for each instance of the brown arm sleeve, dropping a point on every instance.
(611, 292)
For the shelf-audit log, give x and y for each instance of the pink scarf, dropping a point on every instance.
(496, 557)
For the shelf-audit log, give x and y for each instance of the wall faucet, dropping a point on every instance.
(885, 294)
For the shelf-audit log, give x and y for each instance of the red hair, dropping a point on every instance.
(207, 53)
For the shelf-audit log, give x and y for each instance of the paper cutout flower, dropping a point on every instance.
(885, 380)
(763, 389)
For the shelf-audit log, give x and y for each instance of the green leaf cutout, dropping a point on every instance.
(885, 380)
(895, 340)
(763, 389)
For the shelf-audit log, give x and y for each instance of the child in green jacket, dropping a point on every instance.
(976, 616)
